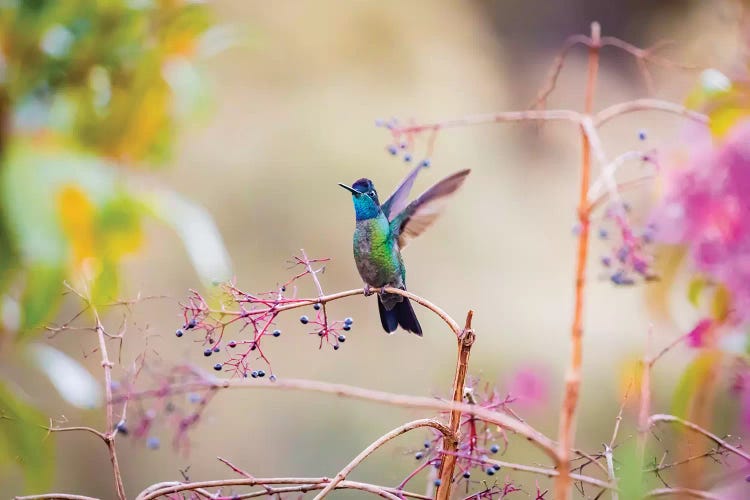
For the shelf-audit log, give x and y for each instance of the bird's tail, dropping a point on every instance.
(402, 314)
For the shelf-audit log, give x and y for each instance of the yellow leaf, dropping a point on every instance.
(721, 303)
(77, 222)
(724, 118)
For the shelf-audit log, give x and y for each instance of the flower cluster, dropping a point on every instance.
(706, 206)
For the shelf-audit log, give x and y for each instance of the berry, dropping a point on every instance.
(426, 444)
(179, 333)
(490, 471)
(254, 374)
(496, 466)
(603, 233)
(276, 333)
(304, 320)
(347, 328)
(194, 397)
(642, 135)
(425, 163)
(152, 443)
(320, 333)
(606, 261)
(407, 157)
(218, 367)
(316, 306)
(336, 347)
(191, 324)
(467, 475)
(232, 344)
(122, 428)
(494, 448)
(283, 289)
(272, 378)
(261, 373)
(207, 352)
(217, 349)
(348, 321)
(342, 338)
(419, 455)
(436, 482)
(393, 150)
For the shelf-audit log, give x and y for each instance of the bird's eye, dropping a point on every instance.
(373, 194)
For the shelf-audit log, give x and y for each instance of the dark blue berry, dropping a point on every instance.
(191, 324)
(217, 349)
(642, 135)
(425, 162)
(606, 261)
(490, 471)
(316, 306)
(496, 466)
(407, 157)
(342, 338)
(261, 373)
(218, 367)
(253, 346)
(436, 482)
(232, 344)
(393, 150)
(426, 444)
(336, 347)
(254, 374)
(347, 328)
(152, 443)
(207, 352)
(494, 448)
(272, 378)
(122, 428)
(283, 289)
(603, 233)
(179, 333)
(467, 475)
(419, 455)
(348, 321)
(304, 320)
(276, 333)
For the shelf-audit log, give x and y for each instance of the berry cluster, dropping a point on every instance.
(255, 316)
(404, 142)
(629, 256)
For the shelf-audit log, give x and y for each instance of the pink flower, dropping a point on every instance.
(530, 388)
(698, 336)
(706, 206)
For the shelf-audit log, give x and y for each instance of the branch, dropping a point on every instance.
(682, 492)
(501, 419)
(416, 424)
(307, 484)
(655, 419)
(573, 378)
(55, 496)
(622, 108)
(450, 443)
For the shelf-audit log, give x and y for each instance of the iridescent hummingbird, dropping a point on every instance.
(382, 231)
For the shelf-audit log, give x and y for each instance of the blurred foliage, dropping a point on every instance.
(89, 91)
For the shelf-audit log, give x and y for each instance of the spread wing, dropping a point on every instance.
(422, 212)
(397, 201)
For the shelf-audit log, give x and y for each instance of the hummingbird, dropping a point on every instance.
(382, 231)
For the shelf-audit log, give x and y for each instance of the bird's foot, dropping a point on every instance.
(368, 290)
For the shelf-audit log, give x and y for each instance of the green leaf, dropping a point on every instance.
(22, 440)
(41, 295)
(630, 478)
(695, 288)
(697, 371)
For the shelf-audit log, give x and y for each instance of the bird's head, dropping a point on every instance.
(366, 203)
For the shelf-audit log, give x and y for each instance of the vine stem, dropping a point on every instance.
(566, 434)
(450, 443)
(416, 424)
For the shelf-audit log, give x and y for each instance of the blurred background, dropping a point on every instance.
(152, 146)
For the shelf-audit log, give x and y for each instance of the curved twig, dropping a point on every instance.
(659, 417)
(416, 424)
(682, 492)
(622, 108)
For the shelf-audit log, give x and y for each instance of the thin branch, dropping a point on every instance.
(544, 471)
(611, 469)
(416, 424)
(681, 492)
(55, 496)
(622, 108)
(450, 443)
(162, 489)
(658, 418)
(566, 435)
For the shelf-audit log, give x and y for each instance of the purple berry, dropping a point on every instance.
(276, 333)
(152, 443)
(304, 320)
(207, 352)
(218, 367)
(179, 333)
(342, 338)
(232, 344)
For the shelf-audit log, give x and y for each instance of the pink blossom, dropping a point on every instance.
(706, 206)
(530, 388)
(698, 336)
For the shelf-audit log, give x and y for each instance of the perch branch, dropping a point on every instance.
(658, 418)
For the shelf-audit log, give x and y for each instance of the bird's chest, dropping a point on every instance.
(376, 253)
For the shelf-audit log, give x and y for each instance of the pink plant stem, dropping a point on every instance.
(566, 436)
(402, 429)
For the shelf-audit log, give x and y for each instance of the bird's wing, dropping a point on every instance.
(423, 211)
(397, 201)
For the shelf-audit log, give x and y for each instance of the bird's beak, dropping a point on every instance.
(349, 188)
